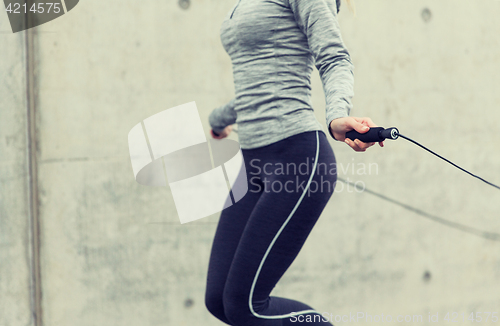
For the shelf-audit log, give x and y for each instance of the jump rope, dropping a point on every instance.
(378, 134)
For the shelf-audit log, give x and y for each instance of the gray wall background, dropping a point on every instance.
(105, 250)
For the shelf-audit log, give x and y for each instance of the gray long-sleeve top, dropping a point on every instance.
(273, 45)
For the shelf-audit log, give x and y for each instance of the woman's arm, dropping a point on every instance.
(317, 19)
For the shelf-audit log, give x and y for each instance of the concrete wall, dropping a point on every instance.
(15, 228)
(114, 253)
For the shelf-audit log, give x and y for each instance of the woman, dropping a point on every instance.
(273, 45)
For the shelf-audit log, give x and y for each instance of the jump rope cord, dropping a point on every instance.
(441, 157)
(468, 229)
(464, 170)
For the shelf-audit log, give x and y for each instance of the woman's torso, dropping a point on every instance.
(272, 66)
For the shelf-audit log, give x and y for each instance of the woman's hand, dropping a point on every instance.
(340, 126)
(224, 133)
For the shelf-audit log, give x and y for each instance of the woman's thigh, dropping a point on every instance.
(230, 227)
(284, 215)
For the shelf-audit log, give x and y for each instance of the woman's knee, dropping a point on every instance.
(226, 307)
(214, 304)
(236, 307)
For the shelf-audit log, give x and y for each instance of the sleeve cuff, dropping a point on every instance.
(333, 117)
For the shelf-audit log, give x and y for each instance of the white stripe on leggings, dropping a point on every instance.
(272, 243)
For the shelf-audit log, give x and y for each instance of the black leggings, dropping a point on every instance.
(257, 238)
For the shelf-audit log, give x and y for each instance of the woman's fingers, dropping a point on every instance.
(358, 126)
(354, 145)
(342, 125)
(224, 133)
(365, 121)
(358, 145)
(214, 135)
(370, 123)
(363, 145)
